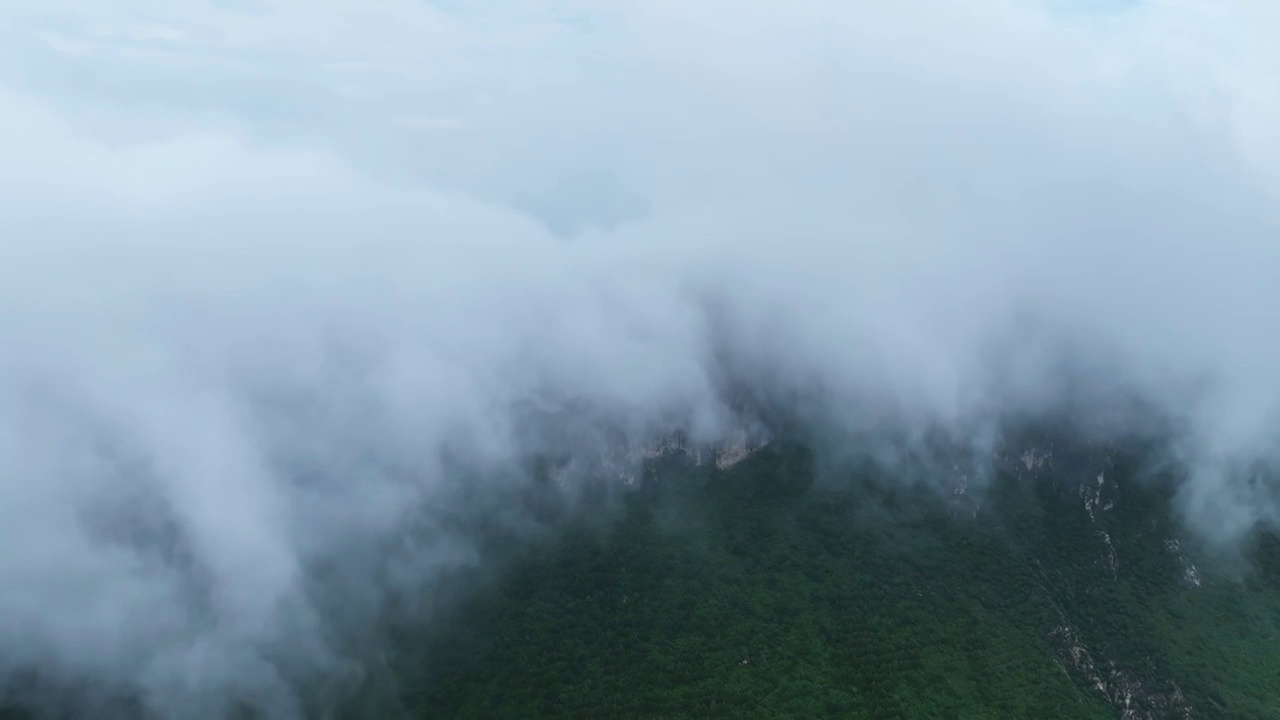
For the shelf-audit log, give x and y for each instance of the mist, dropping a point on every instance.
(284, 285)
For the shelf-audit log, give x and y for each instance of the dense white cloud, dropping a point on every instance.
(264, 262)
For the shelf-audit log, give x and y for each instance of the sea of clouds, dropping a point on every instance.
(282, 281)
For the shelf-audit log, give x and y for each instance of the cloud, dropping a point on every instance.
(272, 270)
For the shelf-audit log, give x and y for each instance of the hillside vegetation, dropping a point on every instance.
(1063, 590)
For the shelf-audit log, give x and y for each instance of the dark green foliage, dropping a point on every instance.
(754, 594)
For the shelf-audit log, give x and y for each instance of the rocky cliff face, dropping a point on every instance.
(1134, 698)
(623, 460)
(737, 446)
(1086, 480)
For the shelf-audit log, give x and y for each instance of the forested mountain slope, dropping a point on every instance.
(1052, 580)
(778, 588)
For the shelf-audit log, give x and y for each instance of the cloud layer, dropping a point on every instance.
(273, 271)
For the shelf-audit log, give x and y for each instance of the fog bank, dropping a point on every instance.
(283, 286)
